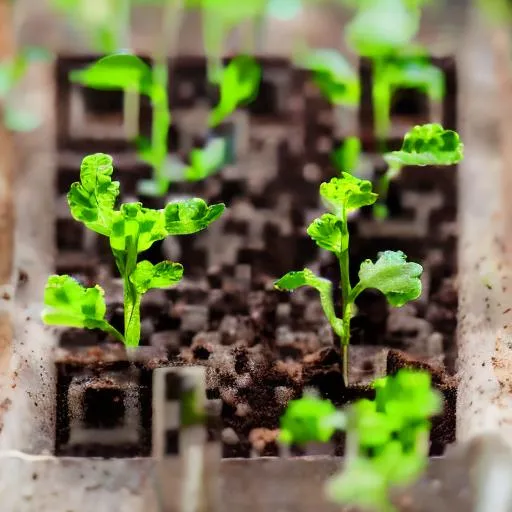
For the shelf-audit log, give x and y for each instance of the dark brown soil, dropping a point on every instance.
(263, 347)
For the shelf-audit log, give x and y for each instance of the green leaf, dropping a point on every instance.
(327, 232)
(428, 144)
(119, 71)
(373, 428)
(347, 193)
(412, 73)
(20, 120)
(207, 161)
(69, 303)
(190, 216)
(333, 76)
(162, 275)
(307, 420)
(382, 28)
(239, 84)
(396, 278)
(296, 279)
(134, 224)
(92, 200)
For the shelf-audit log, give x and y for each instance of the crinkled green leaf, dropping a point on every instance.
(296, 279)
(348, 192)
(134, 224)
(327, 232)
(428, 144)
(204, 162)
(189, 216)
(119, 71)
(69, 303)
(239, 84)
(382, 28)
(162, 275)
(307, 420)
(92, 200)
(396, 278)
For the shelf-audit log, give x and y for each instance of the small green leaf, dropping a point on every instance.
(207, 161)
(307, 420)
(92, 200)
(327, 232)
(239, 84)
(20, 120)
(162, 275)
(333, 76)
(396, 278)
(118, 71)
(347, 193)
(134, 224)
(373, 428)
(190, 216)
(296, 279)
(428, 144)
(69, 303)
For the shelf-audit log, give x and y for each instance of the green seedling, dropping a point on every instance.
(396, 278)
(406, 72)
(219, 18)
(129, 73)
(387, 441)
(131, 229)
(11, 73)
(310, 419)
(239, 83)
(347, 155)
(333, 75)
(106, 22)
(428, 144)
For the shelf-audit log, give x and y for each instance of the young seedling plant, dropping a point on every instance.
(238, 83)
(131, 229)
(391, 274)
(387, 439)
(428, 144)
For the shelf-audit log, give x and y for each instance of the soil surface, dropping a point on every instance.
(263, 347)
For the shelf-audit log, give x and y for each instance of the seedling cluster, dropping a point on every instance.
(387, 438)
(131, 229)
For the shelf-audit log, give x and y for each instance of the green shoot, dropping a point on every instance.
(309, 419)
(106, 21)
(220, 17)
(333, 75)
(387, 441)
(428, 144)
(239, 83)
(131, 74)
(415, 72)
(397, 279)
(347, 155)
(131, 229)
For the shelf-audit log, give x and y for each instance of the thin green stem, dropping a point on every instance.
(160, 123)
(132, 298)
(346, 290)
